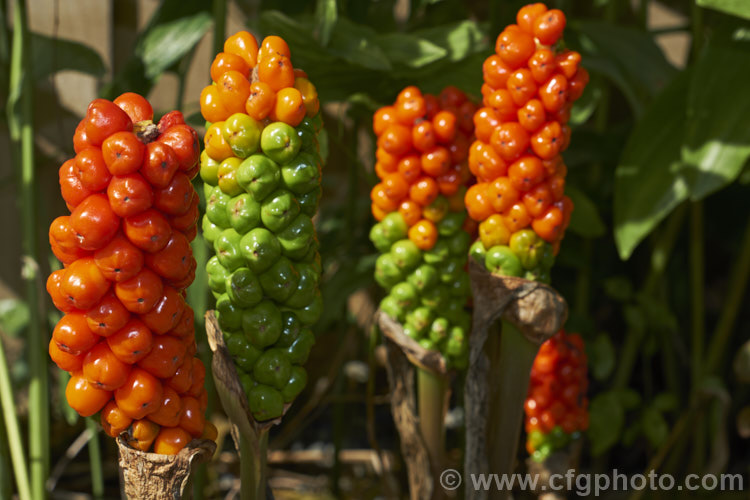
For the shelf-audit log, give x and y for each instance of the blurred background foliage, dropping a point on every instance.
(654, 267)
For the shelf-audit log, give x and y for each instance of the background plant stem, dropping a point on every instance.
(15, 442)
(95, 459)
(253, 450)
(20, 122)
(431, 389)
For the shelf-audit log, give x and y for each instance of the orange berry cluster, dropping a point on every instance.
(259, 82)
(127, 337)
(556, 407)
(529, 87)
(423, 144)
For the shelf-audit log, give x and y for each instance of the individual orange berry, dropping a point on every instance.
(60, 299)
(424, 190)
(102, 368)
(459, 148)
(141, 292)
(136, 106)
(423, 234)
(526, 172)
(210, 431)
(396, 187)
(377, 212)
(84, 397)
(510, 140)
(547, 142)
(289, 107)
(444, 125)
(538, 199)
(213, 108)
(244, 45)
(568, 61)
(234, 89)
(166, 355)
(502, 194)
(142, 434)
(389, 161)
(83, 284)
(140, 395)
(167, 312)
(554, 93)
(549, 225)
(557, 187)
(183, 377)
(516, 217)
(503, 103)
(577, 85)
(192, 419)
(495, 72)
(383, 118)
(132, 342)
(486, 121)
(170, 411)
(224, 62)
(261, 100)
(485, 163)
(478, 202)
(423, 136)
(528, 14)
(410, 109)
(450, 182)
(113, 420)
(549, 26)
(273, 46)
(411, 211)
(64, 360)
(171, 440)
(380, 197)
(521, 86)
(532, 115)
(451, 97)
(436, 162)
(514, 47)
(276, 71)
(396, 140)
(542, 65)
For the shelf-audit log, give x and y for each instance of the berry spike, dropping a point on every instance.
(530, 84)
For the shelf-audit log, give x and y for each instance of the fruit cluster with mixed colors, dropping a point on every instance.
(423, 233)
(262, 170)
(127, 337)
(556, 407)
(530, 84)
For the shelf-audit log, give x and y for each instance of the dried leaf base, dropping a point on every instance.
(500, 365)
(150, 476)
(422, 440)
(559, 462)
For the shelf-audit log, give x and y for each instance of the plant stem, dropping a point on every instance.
(738, 281)
(511, 356)
(95, 459)
(253, 466)
(220, 25)
(697, 283)
(20, 122)
(431, 392)
(15, 443)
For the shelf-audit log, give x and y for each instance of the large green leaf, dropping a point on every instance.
(585, 220)
(51, 55)
(356, 43)
(607, 417)
(717, 135)
(629, 56)
(648, 180)
(739, 8)
(460, 39)
(165, 44)
(326, 14)
(409, 50)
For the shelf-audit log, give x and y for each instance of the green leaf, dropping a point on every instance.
(165, 44)
(629, 56)
(648, 180)
(606, 419)
(326, 14)
(409, 50)
(14, 316)
(629, 398)
(739, 8)
(585, 220)
(717, 136)
(601, 355)
(460, 39)
(655, 427)
(51, 55)
(357, 44)
(665, 401)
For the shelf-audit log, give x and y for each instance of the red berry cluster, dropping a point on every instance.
(557, 392)
(423, 143)
(529, 88)
(127, 337)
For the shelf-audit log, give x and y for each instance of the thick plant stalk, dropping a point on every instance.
(253, 458)
(431, 391)
(20, 122)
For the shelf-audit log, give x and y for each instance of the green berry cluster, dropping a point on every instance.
(427, 290)
(526, 256)
(266, 269)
